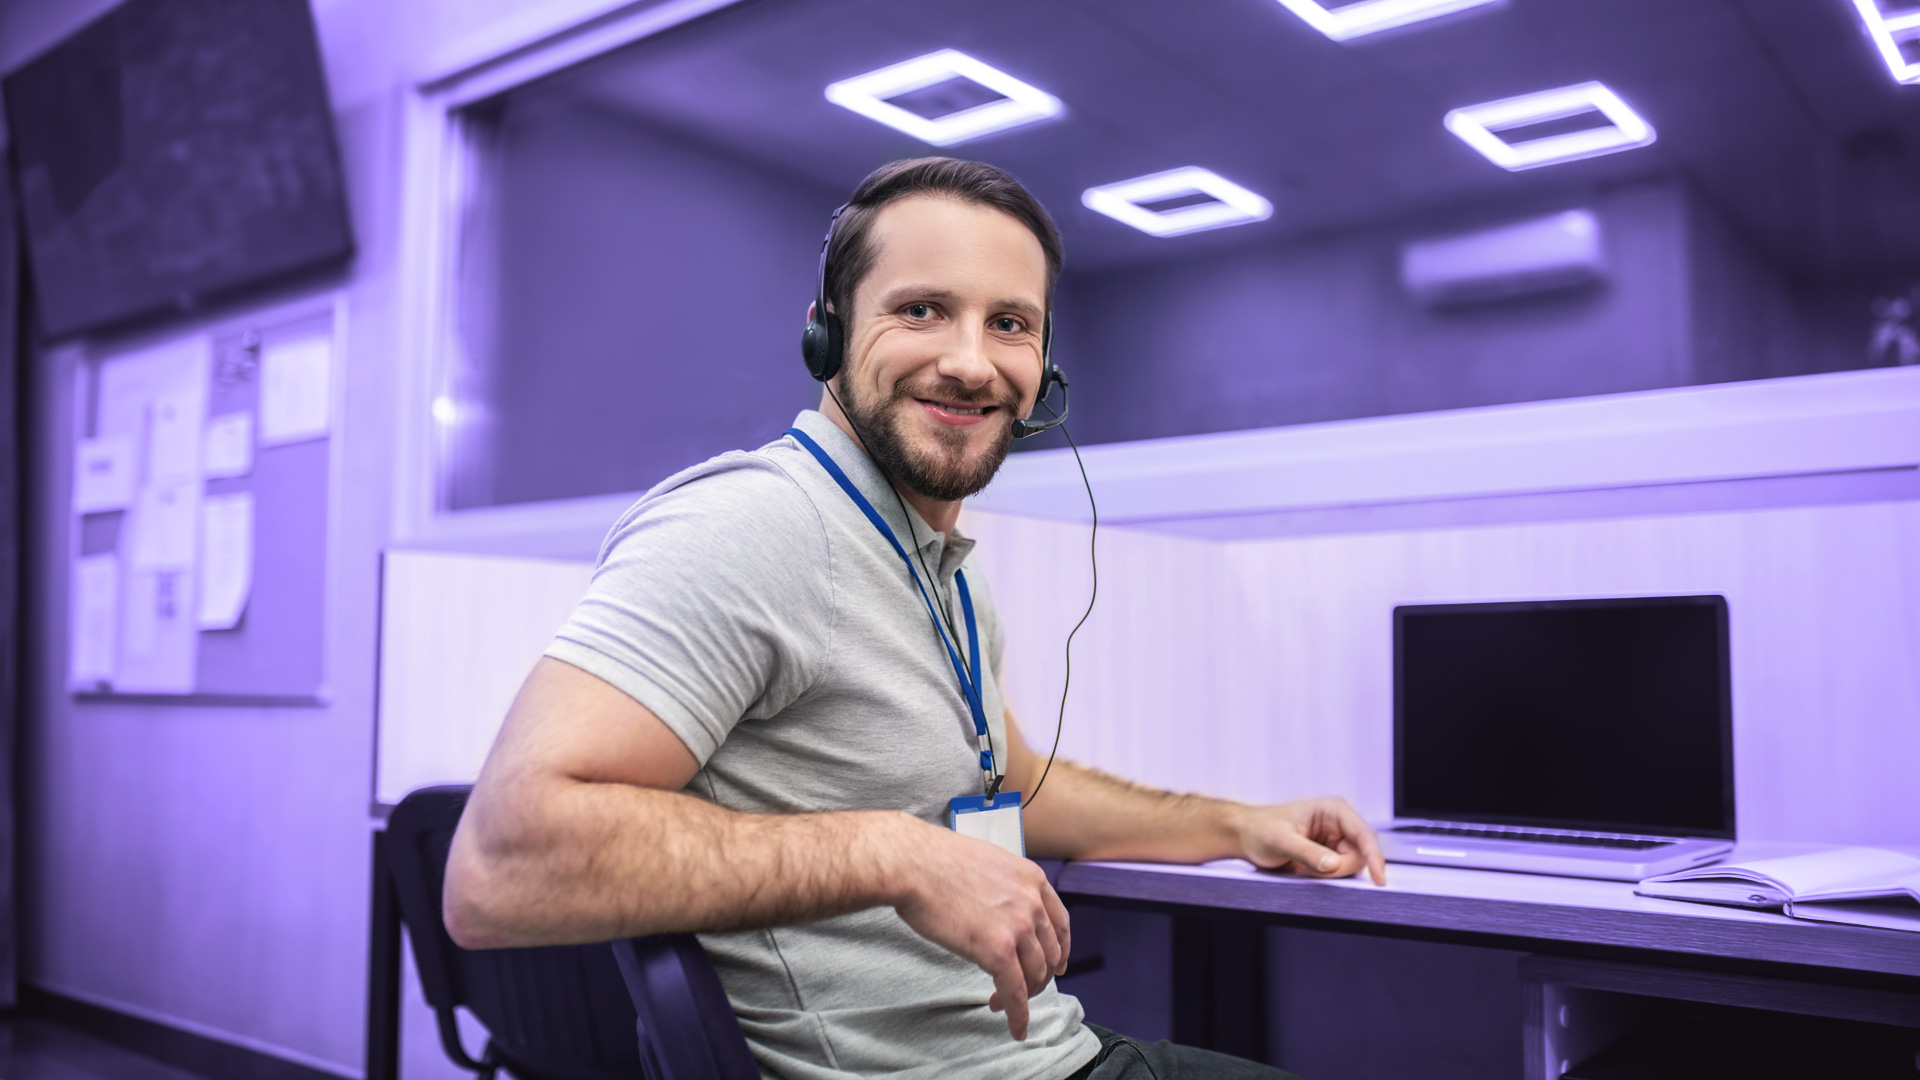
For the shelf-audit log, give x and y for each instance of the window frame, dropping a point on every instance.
(444, 174)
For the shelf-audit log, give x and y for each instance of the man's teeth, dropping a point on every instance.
(962, 412)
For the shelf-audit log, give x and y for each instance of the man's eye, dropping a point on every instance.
(1007, 325)
(919, 311)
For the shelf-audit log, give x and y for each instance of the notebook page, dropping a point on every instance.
(1810, 872)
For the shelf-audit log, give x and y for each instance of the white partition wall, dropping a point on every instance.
(1260, 667)
(458, 635)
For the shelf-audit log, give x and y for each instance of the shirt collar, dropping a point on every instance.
(946, 553)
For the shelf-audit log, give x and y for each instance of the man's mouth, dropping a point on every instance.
(951, 413)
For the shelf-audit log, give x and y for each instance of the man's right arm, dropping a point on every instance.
(577, 831)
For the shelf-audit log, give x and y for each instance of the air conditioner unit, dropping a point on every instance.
(1562, 251)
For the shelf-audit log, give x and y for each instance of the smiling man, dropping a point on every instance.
(784, 670)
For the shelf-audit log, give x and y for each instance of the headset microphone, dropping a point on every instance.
(1050, 374)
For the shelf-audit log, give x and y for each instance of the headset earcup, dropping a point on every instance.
(820, 346)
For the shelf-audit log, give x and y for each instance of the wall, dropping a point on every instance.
(614, 313)
(1747, 322)
(207, 866)
(1259, 669)
(1323, 330)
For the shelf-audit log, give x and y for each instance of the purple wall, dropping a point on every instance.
(641, 311)
(1323, 330)
(207, 866)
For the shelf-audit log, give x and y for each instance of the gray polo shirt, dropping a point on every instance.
(756, 611)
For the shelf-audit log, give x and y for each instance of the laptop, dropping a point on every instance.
(1588, 738)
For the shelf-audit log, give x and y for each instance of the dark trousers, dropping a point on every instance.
(1120, 1058)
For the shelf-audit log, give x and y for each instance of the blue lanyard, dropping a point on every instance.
(969, 680)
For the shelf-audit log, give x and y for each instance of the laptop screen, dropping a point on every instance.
(1609, 715)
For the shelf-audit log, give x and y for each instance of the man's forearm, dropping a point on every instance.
(607, 860)
(1083, 813)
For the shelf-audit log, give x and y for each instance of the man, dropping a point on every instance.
(752, 725)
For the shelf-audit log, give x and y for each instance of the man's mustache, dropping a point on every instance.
(955, 395)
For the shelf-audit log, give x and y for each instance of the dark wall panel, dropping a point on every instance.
(12, 531)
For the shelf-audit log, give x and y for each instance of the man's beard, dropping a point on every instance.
(947, 476)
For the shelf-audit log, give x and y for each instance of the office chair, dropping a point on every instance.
(559, 1012)
(687, 1029)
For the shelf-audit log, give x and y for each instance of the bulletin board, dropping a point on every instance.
(201, 481)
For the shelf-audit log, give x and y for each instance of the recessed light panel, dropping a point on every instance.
(1896, 31)
(1344, 21)
(1226, 203)
(1480, 126)
(1015, 102)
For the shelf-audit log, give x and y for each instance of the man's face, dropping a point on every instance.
(944, 348)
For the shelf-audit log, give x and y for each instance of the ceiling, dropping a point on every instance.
(1779, 111)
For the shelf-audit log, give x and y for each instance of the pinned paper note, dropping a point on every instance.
(131, 383)
(159, 647)
(173, 435)
(96, 620)
(164, 523)
(228, 450)
(226, 559)
(296, 381)
(103, 475)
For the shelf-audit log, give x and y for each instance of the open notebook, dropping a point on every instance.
(1860, 886)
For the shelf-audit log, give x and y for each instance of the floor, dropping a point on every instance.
(32, 1048)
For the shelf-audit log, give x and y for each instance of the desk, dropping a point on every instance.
(1598, 946)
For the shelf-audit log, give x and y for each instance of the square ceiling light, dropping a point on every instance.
(1225, 203)
(1479, 126)
(1343, 21)
(1896, 32)
(1015, 102)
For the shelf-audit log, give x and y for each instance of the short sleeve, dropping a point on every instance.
(712, 602)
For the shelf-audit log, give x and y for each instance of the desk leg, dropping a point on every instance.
(1220, 986)
(383, 970)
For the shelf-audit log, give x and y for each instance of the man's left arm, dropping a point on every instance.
(1087, 814)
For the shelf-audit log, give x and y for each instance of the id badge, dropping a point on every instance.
(995, 820)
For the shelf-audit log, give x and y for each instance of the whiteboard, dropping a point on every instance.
(458, 635)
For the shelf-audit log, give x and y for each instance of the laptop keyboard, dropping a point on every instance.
(1495, 832)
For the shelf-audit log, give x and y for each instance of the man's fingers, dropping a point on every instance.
(1010, 997)
(1034, 964)
(1356, 829)
(1062, 929)
(1050, 950)
(1307, 855)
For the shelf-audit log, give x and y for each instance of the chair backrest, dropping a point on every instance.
(559, 1012)
(686, 1025)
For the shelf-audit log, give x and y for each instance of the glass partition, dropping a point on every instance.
(1273, 213)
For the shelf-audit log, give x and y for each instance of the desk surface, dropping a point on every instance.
(1525, 906)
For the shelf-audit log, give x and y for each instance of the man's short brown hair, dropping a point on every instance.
(850, 256)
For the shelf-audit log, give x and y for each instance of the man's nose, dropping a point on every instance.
(965, 360)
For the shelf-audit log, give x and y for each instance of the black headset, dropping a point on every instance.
(823, 345)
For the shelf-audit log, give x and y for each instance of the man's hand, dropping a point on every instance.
(989, 907)
(1324, 837)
